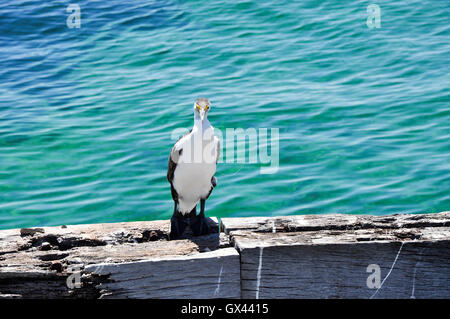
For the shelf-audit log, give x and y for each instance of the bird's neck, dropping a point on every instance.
(201, 125)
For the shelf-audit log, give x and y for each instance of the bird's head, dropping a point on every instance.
(201, 107)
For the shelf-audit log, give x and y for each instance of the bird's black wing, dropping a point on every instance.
(173, 160)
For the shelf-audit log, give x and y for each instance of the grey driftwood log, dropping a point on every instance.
(339, 256)
(120, 260)
(308, 256)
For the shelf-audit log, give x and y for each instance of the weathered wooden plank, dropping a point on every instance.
(307, 256)
(212, 274)
(313, 257)
(37, 263)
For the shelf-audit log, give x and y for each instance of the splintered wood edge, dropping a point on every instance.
(248, 240)
(333, 221)
(246, 233)
(107, 232)
(92, 229)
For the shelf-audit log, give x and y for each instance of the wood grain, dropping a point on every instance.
(36, 263)
(307, 256)
(327, 256)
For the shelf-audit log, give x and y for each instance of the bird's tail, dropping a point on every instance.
(192, 213)
(180, 222)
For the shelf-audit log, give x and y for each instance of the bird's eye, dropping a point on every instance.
(207, 107)
(198, 107)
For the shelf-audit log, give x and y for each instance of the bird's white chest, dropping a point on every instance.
(193, 178)
(192, 181)
(194, 171)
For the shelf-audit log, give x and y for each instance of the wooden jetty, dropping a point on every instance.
(300, 256)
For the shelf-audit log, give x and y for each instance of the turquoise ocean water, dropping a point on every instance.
(86, 114)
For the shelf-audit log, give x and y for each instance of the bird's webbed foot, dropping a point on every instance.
(178, 224)
(200, 225)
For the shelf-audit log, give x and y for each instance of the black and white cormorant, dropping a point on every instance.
(192, 165)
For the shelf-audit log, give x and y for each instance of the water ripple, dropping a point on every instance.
(86, 115)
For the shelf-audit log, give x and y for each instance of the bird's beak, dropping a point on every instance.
(202, 114)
